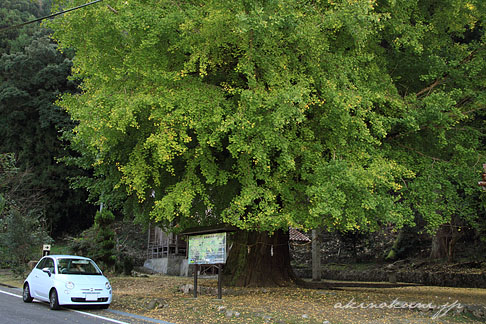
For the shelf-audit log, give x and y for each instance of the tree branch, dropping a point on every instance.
(432, 86)
(420, 153)
(439, 81)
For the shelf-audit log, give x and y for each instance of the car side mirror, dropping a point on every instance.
(47, 270)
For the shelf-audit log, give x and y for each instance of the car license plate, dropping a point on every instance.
(91, 297)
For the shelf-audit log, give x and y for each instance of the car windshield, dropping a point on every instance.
(77, 266)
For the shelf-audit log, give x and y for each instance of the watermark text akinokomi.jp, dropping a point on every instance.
(441, 310)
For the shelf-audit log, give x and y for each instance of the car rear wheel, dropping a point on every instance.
(53, 300)
(26, 294)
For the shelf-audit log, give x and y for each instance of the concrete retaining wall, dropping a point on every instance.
(173, 265)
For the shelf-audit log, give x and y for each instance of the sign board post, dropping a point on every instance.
(207, 249)
(46, 249)
(195, 279)
(220, 292)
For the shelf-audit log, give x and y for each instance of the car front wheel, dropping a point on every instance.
(26, 294)
(53, 300)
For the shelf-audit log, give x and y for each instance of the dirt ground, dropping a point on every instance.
(161, 297)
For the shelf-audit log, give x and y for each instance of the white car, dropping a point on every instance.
(67, 280)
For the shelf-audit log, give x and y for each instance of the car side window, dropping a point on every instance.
(40, 265)
(49, 264)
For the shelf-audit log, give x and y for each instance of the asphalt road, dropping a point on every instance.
(13, 311)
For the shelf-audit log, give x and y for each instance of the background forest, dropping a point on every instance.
(36, 199)
(368, 125)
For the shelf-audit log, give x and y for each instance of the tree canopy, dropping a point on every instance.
(14, 12)
(269, 114)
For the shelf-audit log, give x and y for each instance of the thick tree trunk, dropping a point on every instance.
(438, 248)
(444, 242)
(451, 248)
(393, 254)
(259, 260)
(316, 256)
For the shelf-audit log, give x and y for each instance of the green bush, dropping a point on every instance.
(21, 218)
(115, 245)
(21, 239)
(105, 238)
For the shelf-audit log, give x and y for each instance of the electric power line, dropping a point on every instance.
(50, 16)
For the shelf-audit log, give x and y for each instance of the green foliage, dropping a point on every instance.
(60, 247)
(116, 245)
(33, 74)
(14, 12)
(105, 238)
(97, 243)
(21, 240)
(270, 114)
(442, 76)
(85, 243)
(22, 230)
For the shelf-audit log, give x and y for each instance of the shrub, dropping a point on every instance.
(115, 245)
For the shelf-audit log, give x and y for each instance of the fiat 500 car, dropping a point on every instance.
(63, 280)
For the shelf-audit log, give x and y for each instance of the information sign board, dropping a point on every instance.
(207, 249)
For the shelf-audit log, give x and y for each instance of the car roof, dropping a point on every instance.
(62, 256)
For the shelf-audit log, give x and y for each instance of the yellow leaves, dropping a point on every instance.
(397, 187)
(187, 139)
(97, 162)
(275, 305)
(470, 6)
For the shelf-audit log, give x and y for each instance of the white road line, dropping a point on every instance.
(72, 310)
(100, 317)
(7, 293)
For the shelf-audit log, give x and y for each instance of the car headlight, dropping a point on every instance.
(69, 285)
(107, 285)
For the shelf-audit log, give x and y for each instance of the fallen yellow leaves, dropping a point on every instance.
(160, 297)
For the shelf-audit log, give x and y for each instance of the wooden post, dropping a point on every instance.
(220, 293)
(316, 256)
(195, 280)
(149, 248)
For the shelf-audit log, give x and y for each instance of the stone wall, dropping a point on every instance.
(470, 280)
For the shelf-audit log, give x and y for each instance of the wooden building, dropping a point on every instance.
(163, 245)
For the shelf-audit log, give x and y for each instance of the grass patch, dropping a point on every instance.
(9, 279)
(60, 248)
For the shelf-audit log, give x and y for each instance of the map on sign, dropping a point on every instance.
(207, 249)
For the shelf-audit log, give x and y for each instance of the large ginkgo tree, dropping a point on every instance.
(267, 115)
